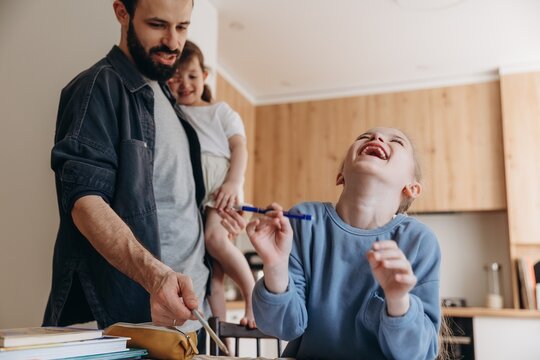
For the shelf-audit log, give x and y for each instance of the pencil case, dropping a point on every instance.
(161, 342)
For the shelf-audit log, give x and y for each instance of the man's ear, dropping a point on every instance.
(412, 191)
(340, 180)
(121, 13)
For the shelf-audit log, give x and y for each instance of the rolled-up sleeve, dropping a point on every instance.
(78, 178)
(84, 156)
(283, 315)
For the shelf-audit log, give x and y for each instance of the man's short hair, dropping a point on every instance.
(132, 4)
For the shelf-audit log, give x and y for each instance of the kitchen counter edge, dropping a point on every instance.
(486, 312)
(453, 311)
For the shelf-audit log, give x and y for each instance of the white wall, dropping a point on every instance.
(468, 242)
(204, 32)
(43, 45)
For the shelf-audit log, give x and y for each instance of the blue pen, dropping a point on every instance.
(288, 214)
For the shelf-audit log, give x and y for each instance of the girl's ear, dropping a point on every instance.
(205, 74)
(340, 180)
(412, 191)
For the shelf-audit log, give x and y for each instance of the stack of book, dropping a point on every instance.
(63, 343)
(529, 283)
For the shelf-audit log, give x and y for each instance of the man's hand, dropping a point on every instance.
(172, 300)
(171, 294)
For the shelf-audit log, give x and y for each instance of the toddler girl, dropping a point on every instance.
(224, 157)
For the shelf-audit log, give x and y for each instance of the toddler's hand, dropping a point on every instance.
(227, 195)
(394, 273)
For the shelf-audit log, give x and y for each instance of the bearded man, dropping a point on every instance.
(130, 244)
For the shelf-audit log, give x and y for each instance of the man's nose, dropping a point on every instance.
(171, 40)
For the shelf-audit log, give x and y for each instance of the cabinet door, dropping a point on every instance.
(226, 92)
(506, 338)
(521, 124)
(456, 130)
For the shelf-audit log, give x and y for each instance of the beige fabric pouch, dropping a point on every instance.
(161, 342)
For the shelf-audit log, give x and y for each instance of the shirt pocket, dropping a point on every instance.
(134, 193)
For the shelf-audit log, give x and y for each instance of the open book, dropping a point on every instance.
(527, 283)
(45, 335)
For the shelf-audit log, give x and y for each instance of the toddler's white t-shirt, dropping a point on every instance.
(215, 124)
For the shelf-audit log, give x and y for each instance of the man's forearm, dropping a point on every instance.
(115, 241)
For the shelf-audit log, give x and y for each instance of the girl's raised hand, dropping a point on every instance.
(271, 235)
(394, 273)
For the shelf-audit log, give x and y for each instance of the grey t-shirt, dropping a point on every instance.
(179, 221)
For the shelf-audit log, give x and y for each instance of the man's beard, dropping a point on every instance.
(143, 60)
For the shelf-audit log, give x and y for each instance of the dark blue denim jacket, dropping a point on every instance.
(104, 145)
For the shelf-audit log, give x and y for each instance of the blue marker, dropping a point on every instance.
(288, 214)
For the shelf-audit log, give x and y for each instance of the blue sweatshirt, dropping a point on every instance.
(334, 308)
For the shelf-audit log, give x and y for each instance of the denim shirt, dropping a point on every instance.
(104, 145)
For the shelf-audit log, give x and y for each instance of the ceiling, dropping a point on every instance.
(291, 50)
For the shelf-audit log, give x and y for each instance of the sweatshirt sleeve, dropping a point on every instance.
(283, 315)
(415, 334)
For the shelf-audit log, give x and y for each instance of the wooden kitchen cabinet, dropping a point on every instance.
(520, 94)
(457, 132)
(226, 92)
(521, 123)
